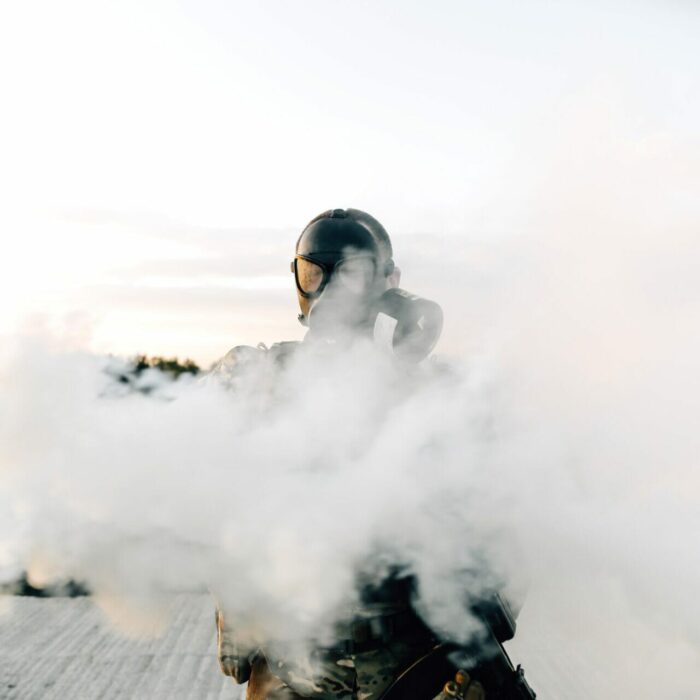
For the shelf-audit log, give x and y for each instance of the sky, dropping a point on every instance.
(160, 158)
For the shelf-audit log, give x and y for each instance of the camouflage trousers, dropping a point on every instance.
(345, 672)
(362, 676)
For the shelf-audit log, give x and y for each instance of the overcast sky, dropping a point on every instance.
(158, 159)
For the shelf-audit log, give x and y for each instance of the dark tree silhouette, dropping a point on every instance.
(170, 365)
(64, 589)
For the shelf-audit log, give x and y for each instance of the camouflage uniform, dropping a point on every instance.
(384, 638)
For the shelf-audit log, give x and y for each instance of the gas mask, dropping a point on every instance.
(341, 267)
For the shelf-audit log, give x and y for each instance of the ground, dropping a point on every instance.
(66, 649)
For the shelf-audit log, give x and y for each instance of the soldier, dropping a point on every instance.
(347, 285)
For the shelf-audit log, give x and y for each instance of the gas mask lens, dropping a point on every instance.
(355, 274)
(309, 275)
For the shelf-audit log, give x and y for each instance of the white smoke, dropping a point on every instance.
(275, 492)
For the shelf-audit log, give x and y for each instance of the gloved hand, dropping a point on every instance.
(462, 688)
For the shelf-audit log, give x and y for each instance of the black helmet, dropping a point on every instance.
(343, 257)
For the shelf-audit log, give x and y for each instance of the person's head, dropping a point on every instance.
(343, 264)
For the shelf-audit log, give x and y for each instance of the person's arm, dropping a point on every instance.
(235, 660)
